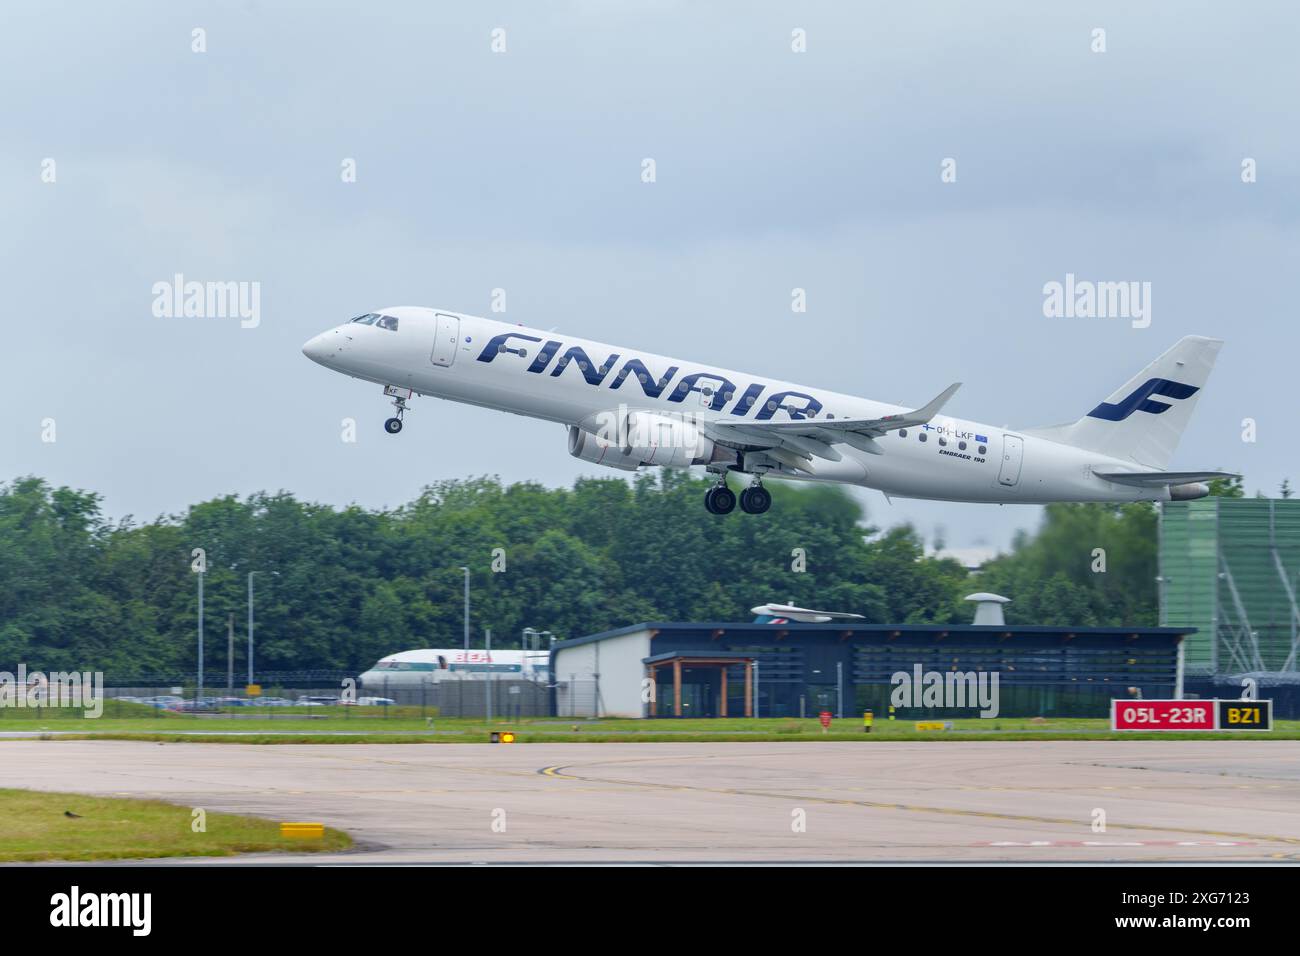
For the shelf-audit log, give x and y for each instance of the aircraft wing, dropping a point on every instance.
(1146, 479)
(797, 442)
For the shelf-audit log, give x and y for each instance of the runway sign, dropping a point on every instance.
(1245, 714)
(1179, 715)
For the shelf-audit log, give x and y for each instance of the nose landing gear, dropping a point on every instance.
(399, 397)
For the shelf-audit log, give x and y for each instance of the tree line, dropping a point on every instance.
(81, 591)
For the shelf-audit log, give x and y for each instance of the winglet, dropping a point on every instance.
(940, 400)
(923, 414)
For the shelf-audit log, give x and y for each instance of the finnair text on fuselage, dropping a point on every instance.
(715, 389)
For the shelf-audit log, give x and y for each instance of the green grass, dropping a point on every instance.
(34, 826)
(356, 725)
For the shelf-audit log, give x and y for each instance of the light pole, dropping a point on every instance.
(250, 622)
(533, 638)
(839, 689)
(198, 690)
(466, 570)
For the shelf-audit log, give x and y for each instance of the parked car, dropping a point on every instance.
(162, 701)
(310, 701)
(205, 704)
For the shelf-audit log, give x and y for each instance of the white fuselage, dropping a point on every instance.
(560, 378)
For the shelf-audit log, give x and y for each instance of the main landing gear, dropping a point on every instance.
(755, 499)
(721, 500)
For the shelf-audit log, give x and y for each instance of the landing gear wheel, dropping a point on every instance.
(719, 500)
(399, 395)
(755, 500)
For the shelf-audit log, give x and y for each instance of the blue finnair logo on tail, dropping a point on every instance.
(1139, 400)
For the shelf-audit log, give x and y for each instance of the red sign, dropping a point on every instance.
(1162, 715)
(825, 718)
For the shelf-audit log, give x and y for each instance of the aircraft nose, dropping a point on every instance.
(320, 348)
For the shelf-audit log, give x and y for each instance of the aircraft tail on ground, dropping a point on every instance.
(1143, 419)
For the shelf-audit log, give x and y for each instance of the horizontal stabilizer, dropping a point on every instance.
(1149, 479)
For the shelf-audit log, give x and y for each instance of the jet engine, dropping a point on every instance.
(593, 448)
(645, 438)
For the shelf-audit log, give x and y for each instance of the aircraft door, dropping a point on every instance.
(1013, 452)
(446, 340)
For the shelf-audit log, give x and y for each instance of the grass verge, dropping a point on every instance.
(38, 826)
(353, 729)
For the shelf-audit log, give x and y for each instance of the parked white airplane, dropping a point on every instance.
(407, 670)
(626, 409)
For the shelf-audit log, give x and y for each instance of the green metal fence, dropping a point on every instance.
(1230, 567)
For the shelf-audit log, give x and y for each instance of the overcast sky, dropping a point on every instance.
(521, 170)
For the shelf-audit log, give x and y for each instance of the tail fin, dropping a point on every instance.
(1143, 419)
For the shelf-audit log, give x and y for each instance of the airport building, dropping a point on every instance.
(791, 669)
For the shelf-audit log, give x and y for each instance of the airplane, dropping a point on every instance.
(407, 670)
(785, 613)
(628, 409)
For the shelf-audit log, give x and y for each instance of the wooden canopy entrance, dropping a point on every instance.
(677, 660)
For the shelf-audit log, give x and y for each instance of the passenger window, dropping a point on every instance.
(961, 445)
(983, 450)
(921, 436)
(902, 433)
(943, 441)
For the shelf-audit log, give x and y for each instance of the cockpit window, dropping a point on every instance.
(387, 322)
(368, 319)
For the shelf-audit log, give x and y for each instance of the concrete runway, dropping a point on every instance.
(1222, 801)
